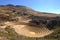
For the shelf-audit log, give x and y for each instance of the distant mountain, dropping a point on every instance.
(24, 9)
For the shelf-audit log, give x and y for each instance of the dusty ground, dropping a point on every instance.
(28, 31)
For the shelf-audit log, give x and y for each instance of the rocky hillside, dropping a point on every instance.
(11, 15)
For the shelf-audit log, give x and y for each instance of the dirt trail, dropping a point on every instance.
(30, 31)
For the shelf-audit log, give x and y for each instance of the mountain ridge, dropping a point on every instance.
(26, 9)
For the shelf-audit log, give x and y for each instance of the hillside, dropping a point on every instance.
(19, 22)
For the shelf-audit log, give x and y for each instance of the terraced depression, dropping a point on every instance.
(31, 33)
(28, 31)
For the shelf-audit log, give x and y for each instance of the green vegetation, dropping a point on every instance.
(55, 35)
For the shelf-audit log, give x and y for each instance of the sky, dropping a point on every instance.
(50, 6)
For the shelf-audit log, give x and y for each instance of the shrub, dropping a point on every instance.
(51, 24)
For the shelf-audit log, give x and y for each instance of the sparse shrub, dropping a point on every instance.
(13, 11)
(34, 22)
(51, 24)
(8, 29)
(43, 21)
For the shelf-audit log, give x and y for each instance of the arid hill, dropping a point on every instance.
(13, 15)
